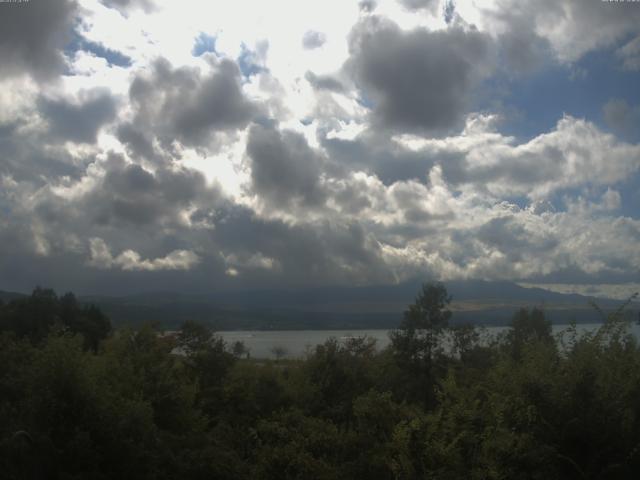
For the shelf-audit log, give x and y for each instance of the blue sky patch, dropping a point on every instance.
(248, 62)
(113, 57)
(203, 44)
(534, 104)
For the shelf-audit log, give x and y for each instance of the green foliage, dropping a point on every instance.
(140, 404)
(207, 363)
(34, 317)
(294, 446)
(337, 373)
(528, 327)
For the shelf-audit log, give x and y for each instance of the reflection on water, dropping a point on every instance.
(296, 343)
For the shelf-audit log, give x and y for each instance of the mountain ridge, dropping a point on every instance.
(377, 306)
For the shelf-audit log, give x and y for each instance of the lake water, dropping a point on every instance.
(296, 343)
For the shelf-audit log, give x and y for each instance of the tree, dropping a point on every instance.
(34, 317)
(423, 323)
(195, 337)
(279, 351)
(239, 349)
(207, 360)
(338, 373)
(415, 342)
(527, 327)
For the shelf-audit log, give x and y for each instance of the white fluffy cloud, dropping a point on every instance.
(574, 154)
(101, 257)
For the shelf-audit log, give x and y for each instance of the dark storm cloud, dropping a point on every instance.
(318, 254)
(129, 194)
(25, 158)
(418, 80)
(284, 169)
(32, 36)
(129, 218)
(185, 104)
(310, 253)
(352, 196)
(387, 162)
(139, 144)
(79, 121)
(312, 39)
(38, 156)
(141, 211)
(391, 162)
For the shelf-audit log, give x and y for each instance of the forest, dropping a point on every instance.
(81, 400)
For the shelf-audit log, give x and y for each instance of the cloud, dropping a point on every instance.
(139, 143)
(183, 103)
(28, 157)
(574, 154)
(513, 239)
(367, 6)
(523, 50)
(368, 169)
(503, 241)
(312, 39)
(32, 36)
(563, 24)
(420, 4)
(611, 200)
(307, 252)
(630, 54)
(285, 171)
(419, 80)
(375, 233)
(240, 263)
(387, 160)
(324, 82)
(97, 49)
(128, 5)
(130, 260)
(127, 194)
(79, 121)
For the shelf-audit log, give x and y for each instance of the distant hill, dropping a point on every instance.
(479, 302)
(8, 296)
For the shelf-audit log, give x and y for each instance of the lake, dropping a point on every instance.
(297, 342)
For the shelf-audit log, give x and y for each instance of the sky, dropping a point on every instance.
(200, 146)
